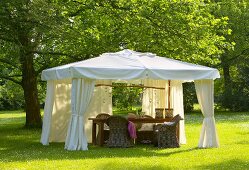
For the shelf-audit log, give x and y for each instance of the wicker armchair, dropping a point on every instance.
(166, 133)
(106, 127)
(145, 133)
(119, 135)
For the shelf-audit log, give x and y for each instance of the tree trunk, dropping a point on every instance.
(227, 85)
(29, 85)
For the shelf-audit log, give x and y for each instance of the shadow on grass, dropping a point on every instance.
(26, 143)
(12, 111)
(243, 142)
(132, 166)
(56, 151)
(22, 150)
(231, 164)
(228, 117)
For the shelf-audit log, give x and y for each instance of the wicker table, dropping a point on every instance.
(101, 122)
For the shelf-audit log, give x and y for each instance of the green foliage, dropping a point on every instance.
(181, 30)
(59, 32)
(240, 89)
(11, 96)
(125, 98)
(189, 97)
(235, 62)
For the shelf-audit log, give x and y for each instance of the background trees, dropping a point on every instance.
(27, 34)
(234, 64)
(39, 34)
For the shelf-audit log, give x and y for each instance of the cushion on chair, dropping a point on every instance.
(145, 133)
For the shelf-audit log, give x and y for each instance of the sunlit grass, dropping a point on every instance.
(20, 148)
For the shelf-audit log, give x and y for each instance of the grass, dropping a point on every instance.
(20, 148)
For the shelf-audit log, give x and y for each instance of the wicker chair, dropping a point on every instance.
(167, 133)
(119, 136)
(145, 133)
(106, 127)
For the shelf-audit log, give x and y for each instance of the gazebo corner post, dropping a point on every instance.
(169, 88)
(205, 95)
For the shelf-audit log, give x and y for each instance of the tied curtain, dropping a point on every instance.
(82, 91)
(57, 111)
(205, 96)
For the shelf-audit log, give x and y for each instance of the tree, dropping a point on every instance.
(181, 30)
(38, 34)
(125, 98)
(234, 62)
(25, 25)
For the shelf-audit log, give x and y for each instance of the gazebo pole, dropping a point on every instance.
(168, 94)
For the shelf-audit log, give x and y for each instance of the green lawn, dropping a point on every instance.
(20, 148)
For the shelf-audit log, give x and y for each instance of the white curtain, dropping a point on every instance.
(160, 93)
(153, 98)
(61, 111)
(48, 109)
(82, 91)
(101, 102)
(177, 105)
(205, 95)
(57, 111)
(148, 102)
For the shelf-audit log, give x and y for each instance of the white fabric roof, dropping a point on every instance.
(130, 65)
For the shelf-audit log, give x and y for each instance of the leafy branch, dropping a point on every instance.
(11, 78)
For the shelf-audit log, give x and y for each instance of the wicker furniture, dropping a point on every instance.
(145, 134)
(168, 113)
(103, 116)
(159, 113)
(96, 121)
(166, 133)
(118, 136)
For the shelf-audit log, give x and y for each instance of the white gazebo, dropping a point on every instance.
(83, 89)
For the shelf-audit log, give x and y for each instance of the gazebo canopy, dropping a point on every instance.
(71, 92)
(129, 65)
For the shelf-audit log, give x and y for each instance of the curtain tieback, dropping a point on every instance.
(209, 117)
(77, 115)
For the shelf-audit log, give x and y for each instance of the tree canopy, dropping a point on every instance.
(38, 34)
